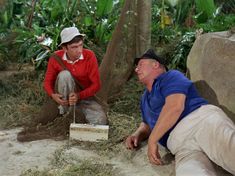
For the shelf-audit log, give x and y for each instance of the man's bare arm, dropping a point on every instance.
(169, 115)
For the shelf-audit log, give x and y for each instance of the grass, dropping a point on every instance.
(84, 168)
(21, 97)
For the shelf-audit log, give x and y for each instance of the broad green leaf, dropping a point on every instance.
(5, 18)
(182, 11)
(104, 7)
(100, 31)
(88, 20)
(72, 8)
(207, 8)
(57, 10)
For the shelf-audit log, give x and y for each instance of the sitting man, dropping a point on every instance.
(72, 79)
(174, 115)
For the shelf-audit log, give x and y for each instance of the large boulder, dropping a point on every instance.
(211, 65)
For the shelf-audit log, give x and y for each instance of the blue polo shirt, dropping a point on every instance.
(168, 83)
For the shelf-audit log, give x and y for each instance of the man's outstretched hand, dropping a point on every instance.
(153, 154)
(132, 142)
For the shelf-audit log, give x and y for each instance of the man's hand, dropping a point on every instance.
(132, 142)
(153, 154)
(73, 98)
(59, 100)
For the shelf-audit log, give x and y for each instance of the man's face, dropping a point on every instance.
(74, 50)
(144, 69)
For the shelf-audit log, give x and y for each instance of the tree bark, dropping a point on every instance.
(143, 37)
(131, 33)
(106, 66)
(30, 19)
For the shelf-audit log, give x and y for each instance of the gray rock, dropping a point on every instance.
(211, 65)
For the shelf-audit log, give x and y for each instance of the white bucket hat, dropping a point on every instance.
(67, 34)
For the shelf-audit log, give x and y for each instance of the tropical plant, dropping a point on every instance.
(205, 10)
(6, 14)
(33, 19)
(175, 40)
(181, 51)
(221, 22)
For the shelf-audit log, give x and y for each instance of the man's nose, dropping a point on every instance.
(79, 50)
(136, 69)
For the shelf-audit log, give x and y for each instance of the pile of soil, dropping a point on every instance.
(49, 124)
(59, 128)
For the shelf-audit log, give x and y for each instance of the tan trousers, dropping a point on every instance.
(205, 135)
(93, 111)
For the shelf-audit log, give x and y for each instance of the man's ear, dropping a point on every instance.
(64, 48)
(156, 64)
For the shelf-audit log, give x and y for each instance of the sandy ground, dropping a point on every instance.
(17, 157)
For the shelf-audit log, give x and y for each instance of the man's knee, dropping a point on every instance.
(65, 83)
(194, 163)
(94, 112)
(65, 74)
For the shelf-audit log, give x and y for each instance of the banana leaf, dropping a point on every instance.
(206, 9)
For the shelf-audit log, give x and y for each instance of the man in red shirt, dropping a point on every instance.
(81, 64)
(64, 89)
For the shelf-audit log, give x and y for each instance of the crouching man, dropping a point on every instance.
(71, 81)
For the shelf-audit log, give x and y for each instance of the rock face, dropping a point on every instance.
(211, 65)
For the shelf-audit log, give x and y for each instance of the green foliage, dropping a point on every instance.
(94, 18)
(181, 51)
(104, 7)
(221, 22)
(182, 10)
(205, 10)
(97, 18)
(160, 36)
(6, 14)
(175, 40)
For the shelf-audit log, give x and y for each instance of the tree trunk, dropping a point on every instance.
(117, 64)
(107, 64)
(2, 4)
(30, 18)
(143, 37)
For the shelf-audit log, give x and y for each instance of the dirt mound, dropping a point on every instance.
(49, 124)
(59, 128)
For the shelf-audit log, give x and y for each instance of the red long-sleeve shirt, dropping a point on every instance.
(84, 70)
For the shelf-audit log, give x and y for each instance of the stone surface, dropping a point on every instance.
(211, 65)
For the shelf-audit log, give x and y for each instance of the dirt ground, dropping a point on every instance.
(18, 157)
